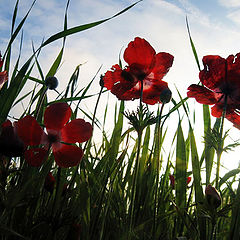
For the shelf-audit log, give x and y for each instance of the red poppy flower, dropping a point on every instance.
(3, 75)
(221, 85)
(60, 135)
(10, 143)
(50, 182)
(172, 180)
(213, 197)
(144, 67)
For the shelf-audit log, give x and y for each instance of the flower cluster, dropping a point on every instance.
(220, 86)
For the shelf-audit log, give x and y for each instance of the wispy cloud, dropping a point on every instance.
(230, 3)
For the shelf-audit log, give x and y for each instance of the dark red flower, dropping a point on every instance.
(60, 135)
(172, 180)
(10, 143)
(213, 197)
(221, 85)
(144, 66)
(50, 182)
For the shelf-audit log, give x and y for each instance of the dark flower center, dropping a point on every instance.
(127, 76)
(53, 138)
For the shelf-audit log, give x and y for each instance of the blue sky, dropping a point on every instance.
(214, 24)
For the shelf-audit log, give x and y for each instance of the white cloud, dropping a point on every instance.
(230, 3)
(234, 16)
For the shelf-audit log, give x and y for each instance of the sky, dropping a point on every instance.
(214, 26)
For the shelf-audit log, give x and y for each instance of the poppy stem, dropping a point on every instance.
(134, 182)
(220, 144)
(40, 103)
(158, 142)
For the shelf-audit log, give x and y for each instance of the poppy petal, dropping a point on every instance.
(233, 76)
(151, 94)
(35, 156)
(57, 115)
(217, 110)
(68, 156)
(3, 78)
(234, 117)
(29, 131)
(76, 131)
(214, 73)
(121, 83)
(162, 65)
(139, 55)
(201, 94)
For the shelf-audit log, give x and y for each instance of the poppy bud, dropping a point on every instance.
(51, 82)
(166, 95)
(172, 181)
(10, 144)
(49, 182)
(213, 198)
(101, 82)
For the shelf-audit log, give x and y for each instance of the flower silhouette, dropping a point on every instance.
(60, 135)
(10, 143)
(221, 85)
(144, 67)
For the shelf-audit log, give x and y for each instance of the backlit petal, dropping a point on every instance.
(29, 131)
(163, 62)
(234, 117)
(57, 115)
(151, 94)
(139, 54)
(217, 110)
(35, 156)
(3, 78)
(201, 94)
(76, 131)
(68, 156)
(214, 73)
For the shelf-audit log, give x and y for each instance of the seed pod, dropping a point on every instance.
(51, 82)
(166, 96)
(213, 197)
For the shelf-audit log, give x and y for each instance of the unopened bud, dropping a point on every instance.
(213, 197)
(51, 82)
(101, 82)
(166, 96)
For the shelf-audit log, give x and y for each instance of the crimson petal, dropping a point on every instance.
(35, 156)
(163, 61)
(214, 73)
(56, 116)
(151, 94)
(234, 118)
(3, 78)
(76, 131)
(140, 54)
(201, 94)
(29, 131)
(68, 156)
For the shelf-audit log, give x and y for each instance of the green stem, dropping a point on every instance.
(158, 150)
(136, 169)
(134, 183)
(40, 102)
(85, 146)
(220, 145)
